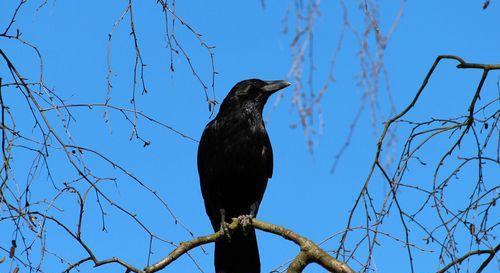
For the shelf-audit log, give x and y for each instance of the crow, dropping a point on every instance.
(235, 160)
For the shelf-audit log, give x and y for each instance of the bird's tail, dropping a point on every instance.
(239, 255)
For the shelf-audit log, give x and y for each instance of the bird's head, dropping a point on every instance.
(251, 95)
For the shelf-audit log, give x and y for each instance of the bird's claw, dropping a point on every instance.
(245, 222)
(224, 229)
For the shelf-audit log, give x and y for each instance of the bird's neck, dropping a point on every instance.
(246, 116)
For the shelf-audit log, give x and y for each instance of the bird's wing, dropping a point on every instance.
(206, 169)
(203, 150)
(267, 154)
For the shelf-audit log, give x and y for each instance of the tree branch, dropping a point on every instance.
(492, 253)
(310, 252)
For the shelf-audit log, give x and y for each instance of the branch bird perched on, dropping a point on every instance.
(235, 160)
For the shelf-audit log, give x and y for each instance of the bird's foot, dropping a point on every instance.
(245, 222)
(224, 229)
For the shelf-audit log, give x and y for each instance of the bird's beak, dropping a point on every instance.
(273, 86)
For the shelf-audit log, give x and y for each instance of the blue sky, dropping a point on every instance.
(303, 195)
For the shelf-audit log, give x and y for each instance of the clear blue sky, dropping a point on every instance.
(303, 195)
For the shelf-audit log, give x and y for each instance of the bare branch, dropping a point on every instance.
(492, 253)
(309, 251)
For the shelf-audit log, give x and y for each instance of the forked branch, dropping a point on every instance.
(309, 251)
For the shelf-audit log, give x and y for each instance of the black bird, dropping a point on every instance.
(235, 160)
